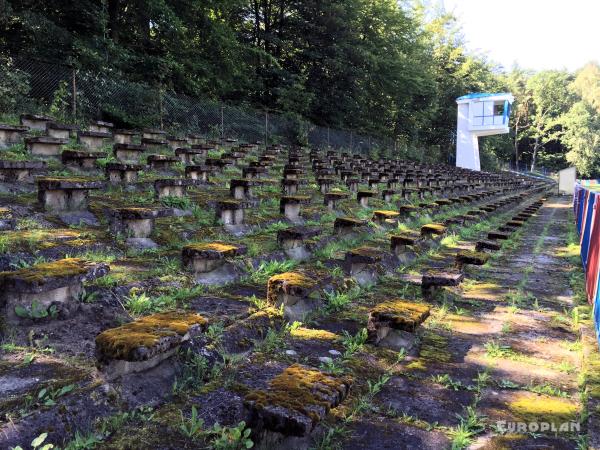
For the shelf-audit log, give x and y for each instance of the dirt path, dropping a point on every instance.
(502, 354)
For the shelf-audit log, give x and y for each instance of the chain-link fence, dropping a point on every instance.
(80, 96)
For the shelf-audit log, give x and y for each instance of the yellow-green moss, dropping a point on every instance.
(471, 255)
(297, 279)
(386, 214)
(301, 389)
(368, 252)
(40, 272)
(532, 407)
(213, 246)
(433, 228)
(434, 347)
(505, 442)
(67, 179)
(312, 334)
(402, 314)
(119, 342)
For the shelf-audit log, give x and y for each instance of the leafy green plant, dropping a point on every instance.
(266, 270)
(469, 425)
(38, 443)
(494, 350)
(353, 344)
(258, 303)
(192, 427)
(48, 397)
(195, 370)
(83, 441)
(177, 202)
(447, 381)
(36, 311)
(231, 438)
(338, 300)
(138, 303)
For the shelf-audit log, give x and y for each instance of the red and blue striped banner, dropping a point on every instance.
(587, 216)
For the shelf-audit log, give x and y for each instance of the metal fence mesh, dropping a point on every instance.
(81, 96)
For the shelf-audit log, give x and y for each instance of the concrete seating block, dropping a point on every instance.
(392, 324)
(331, 199)
(46, 289)
(101, 126)
(344, 226)
(294, 243)
(362, 264)
(44, 146)
(162, 162)
(128, 153)
(231, 212)
(66, 194)
(189, 155)
(241, 189)
(146, 342)
(498, 235)
(299, 292)
(386, 217)
(61, 130)
(153, 133)
(80, 159)
(406, 246)
(433, 231)
(35, 121)
(124, 136)
(93, 140)
(290, 206)
(13, 171)
(295, 401)
(363, 197)
(11, 134)
(476, 258)
(117, 173)
(211, 263)
(198, 172)
(175, 142)
(7, 221)
(433, 280)
(487, 245)
(172, 187)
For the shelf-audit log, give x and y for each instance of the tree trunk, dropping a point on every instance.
(516, 145)
(536, 146)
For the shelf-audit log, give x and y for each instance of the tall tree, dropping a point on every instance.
(550, 98)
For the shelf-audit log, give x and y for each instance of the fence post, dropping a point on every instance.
(73, 95)
(160, 106)
(222, 122)
(266, 128)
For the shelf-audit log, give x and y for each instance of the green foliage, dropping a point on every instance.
(191, 427)
(353, 344)
(60, 102)
(14, 85)
(338, 300)
(36, 311)
(266, 270)
(177, 202)
(220, 437)
(232, 438)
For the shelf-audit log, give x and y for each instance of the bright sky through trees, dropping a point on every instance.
(537, 34)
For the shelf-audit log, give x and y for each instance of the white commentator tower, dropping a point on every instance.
(480, 114)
